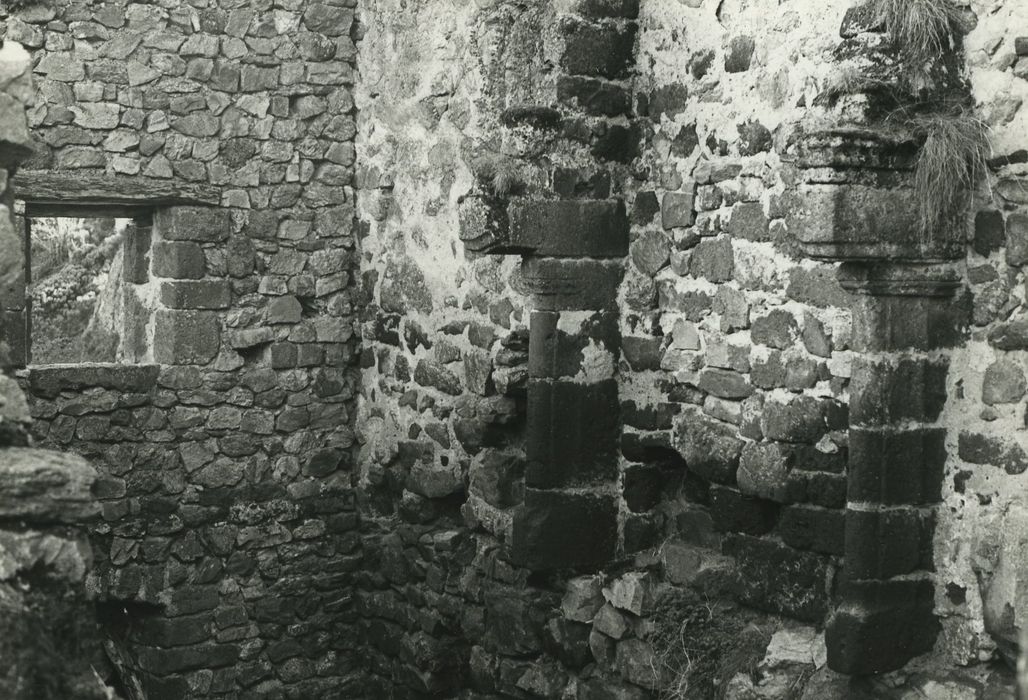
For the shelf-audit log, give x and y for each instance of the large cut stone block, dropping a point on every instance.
(885, 323)
(568, 228)
(186, 337)
(204, 294)
(588, 347)
(896, 468)
(860, 222)
(193, 223)
(184, 261)
(881, 544)
(881, 626)
(603, 50)
(572, 433)
(48, 382)
(561, 530)
(884, 392)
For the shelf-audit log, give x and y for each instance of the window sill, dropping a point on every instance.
(51, 380)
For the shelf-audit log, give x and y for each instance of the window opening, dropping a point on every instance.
(78, 272)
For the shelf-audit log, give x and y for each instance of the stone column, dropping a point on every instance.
(904, 315)
(855, 204)
(573, 238)
(570, 514)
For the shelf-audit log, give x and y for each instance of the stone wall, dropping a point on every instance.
(737, 350)
(557, 463)
(982, 523)
(50, 644)
(228, 536)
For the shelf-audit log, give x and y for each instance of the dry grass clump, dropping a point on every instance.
(701, 645)
(951, 162)
(921, 29)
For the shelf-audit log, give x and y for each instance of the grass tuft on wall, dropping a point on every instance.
(951, 163)
(921, 29)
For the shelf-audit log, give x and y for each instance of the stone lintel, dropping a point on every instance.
(51, 380)
(50, 192)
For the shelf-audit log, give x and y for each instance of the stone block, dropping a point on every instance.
(432, 374)
(805, 419)
(178, 260)
(583, 598)
(739, 54)
(571, 438)
(749, 222)
(210, 224)
(602, 50)
(49, 382)
(886, 392)
(498, 478)
(881, 544)
(860, 222)
(814, 528)
(764, 470)
(896, 467)
(881, 625)
(734, 512)
(714, 260)
(989, 233)
(562, 530)
(595, 97)
(887, 323)
(677, 209)
(44, 487)
(779, 579)
(977, 448)
(599, 9)
(725, 384)
(711, 449)
(206, 294)
(567, 228)
(556, 352)
(186, 337)
(558, 285)
(1003, 382)
(136, 254)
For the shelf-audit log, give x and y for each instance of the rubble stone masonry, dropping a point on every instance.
(471, 346)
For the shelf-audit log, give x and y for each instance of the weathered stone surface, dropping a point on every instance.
(571, 437)
(186, 337)
(1003, 382)
(710, 448)
(764, 471)
(557, 530)
(44, 487)
(713, 260)
(178, 260)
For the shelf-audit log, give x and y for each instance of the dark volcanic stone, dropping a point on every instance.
(710, 448)
(778, 579)
(560, 530)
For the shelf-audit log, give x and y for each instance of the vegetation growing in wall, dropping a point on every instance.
(952, 159)
(701, 645)
(922, 31)
(950, 163)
